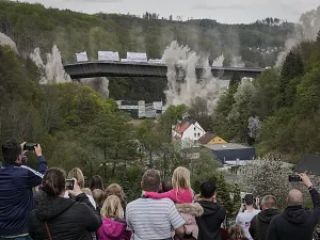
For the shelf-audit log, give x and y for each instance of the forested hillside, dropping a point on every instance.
(287, 100)
(32, 26)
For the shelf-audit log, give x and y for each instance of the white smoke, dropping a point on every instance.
(218, 62)
(100, 84)
(52, 71)
(236, 61)
(7, 41)
(184, 88)
(306, 30)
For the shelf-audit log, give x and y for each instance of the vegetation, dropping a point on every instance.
(32, 25)
(287, 100)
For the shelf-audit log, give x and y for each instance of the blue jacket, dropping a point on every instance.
(16, 198)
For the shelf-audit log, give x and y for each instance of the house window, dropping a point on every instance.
(195, 135)
(194, 128)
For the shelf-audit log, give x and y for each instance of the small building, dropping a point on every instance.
(136, 109)
(211, 138)
(188, 132)
(82, 56)
(137, 57)
(108, 56)
(232, 153)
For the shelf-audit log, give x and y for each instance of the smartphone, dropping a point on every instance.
(294, 178)
(69, 184)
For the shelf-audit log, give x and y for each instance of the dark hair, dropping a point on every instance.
(207, 189)
(151, 180)
(96, 183)
(54, 181)
(10, 151)
(248, 199)
(166, 185)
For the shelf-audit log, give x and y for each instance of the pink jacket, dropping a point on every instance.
(112, 229)
(178, 196)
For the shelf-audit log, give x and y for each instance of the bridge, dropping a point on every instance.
(134, 69)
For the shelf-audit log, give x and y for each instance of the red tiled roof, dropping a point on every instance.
(181, 127)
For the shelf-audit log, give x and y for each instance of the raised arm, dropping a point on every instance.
(172, 194)
(35, 177)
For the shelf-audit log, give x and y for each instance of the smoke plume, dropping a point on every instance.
(183, 85)
(306, 30)
(52, 71)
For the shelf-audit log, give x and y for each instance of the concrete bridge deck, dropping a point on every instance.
(134, 69)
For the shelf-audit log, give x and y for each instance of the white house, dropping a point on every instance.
(188, 132)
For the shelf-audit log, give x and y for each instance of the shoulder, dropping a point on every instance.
(30, 170)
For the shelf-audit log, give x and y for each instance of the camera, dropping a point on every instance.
(29, 146)
(69, 184)
(294, 178)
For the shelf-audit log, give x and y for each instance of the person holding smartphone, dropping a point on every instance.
(16, 183)
(296, 222)
(56, 217)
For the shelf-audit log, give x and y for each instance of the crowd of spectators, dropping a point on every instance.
(50, 204)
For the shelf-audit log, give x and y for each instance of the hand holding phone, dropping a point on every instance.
(70, 184)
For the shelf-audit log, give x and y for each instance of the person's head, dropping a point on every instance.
(181, 178)
(166, 185)
(12, 152)
(96, 183)
(151, 181)
(236, 232)
(248, 200)
(268, 201)
(295, 198)
(112, 208)
(208, 189)
(77, 174)
(53, 182)
(115, 189)
(99, 196)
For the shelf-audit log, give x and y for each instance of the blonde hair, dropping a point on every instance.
(116, 189)
(181, 178)
(86, 191)
(77, 174)
(112, 208)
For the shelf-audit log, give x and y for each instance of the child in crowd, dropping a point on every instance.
(113, 225)
(236, 233)
(116, 189)
(182, 194)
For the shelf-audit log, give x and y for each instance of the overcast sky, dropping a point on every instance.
(225, 11)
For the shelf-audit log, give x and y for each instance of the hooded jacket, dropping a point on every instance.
(296, 223)
(112, 229)
(188, 212)
(210, 221)
(66, 218)
(260, 223)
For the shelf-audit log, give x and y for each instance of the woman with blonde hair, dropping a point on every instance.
(116, 189)
(78, 175)
(113, 224)
(182, 194)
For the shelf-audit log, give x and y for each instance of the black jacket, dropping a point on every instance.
(210, 221)
(295, 223)
(260, 223)
(67, 219)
